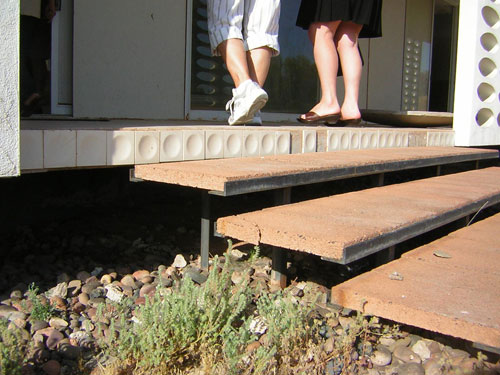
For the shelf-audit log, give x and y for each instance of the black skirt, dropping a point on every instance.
(363, 12)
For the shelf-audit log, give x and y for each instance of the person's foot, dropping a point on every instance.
(248, 98)
(320, 112)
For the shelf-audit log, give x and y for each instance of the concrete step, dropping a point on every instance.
(244, 175)
(347, 227)
(456, 295)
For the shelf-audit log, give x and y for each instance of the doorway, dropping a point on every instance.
(444, 51)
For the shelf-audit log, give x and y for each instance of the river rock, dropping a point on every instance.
(381, 356)
(411, 369)
(422, 350)
(58, 323)
(406, 355)
(52, 367)
(179, 261)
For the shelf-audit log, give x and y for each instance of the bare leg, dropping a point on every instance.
(346, 40)
(234, 55)
(326, 59)
(259, 61)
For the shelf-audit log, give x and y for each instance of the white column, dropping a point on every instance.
(476, 119)
(9, 83)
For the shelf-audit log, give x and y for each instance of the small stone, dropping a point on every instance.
(258, 326)
(87, 325)
(179, 261)
(37, 325)
(196, 276)
(58, 302)
(74, 287)
(58, 323)
(129, 280)
(297, 292)
(422, 350)
(60, 290)
(78, 307)
(238, 255)
(381, 356)
(147, 290)
(97, 271)
(253, 346)
(329, 345)
(432, 367)
(146, 280)
(411, 369)
(52, 367)
(67, 350)
(396, 276)
(54, 337)
(441, 254)
(16, 294)
(238, 277)
(114, 293)
(346, 322)
(106, 279)
(90, 286)
(83, 275)
(405, 341)
(138, 275)
(63, 278)
(406, 355)
(6, 310)
(387, 341)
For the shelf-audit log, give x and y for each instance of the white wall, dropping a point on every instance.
(476, 119)
(129, 58)
(385, 64)
(9, 82)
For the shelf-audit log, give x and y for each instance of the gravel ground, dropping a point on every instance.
(91, 237)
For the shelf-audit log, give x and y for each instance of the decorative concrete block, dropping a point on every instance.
(368, 140)
(476, 119)
(120, 147)
(90, 148)
(387, 139)
(214, 144)
(147, 147)
(402, 139)
(309, 141)
(433, 139)
(354, 139)
(283, 143)
(233, 143)
(31, 149)
(171, 145)
(338, 139)
(59, 148)
(251, 143)
(194, 144)
(448, 139)
(267, 143)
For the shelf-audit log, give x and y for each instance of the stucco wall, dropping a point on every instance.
(9, 78)
(129, 58)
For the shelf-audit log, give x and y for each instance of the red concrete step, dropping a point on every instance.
(457, 295)
(244, 175)
(346, 227)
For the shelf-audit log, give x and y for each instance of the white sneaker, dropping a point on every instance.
(248, 98)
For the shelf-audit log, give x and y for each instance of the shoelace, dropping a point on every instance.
(230, 105)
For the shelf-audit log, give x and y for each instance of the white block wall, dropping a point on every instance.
(9, 80)
(477, 94)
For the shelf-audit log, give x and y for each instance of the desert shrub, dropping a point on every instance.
(11, 349)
